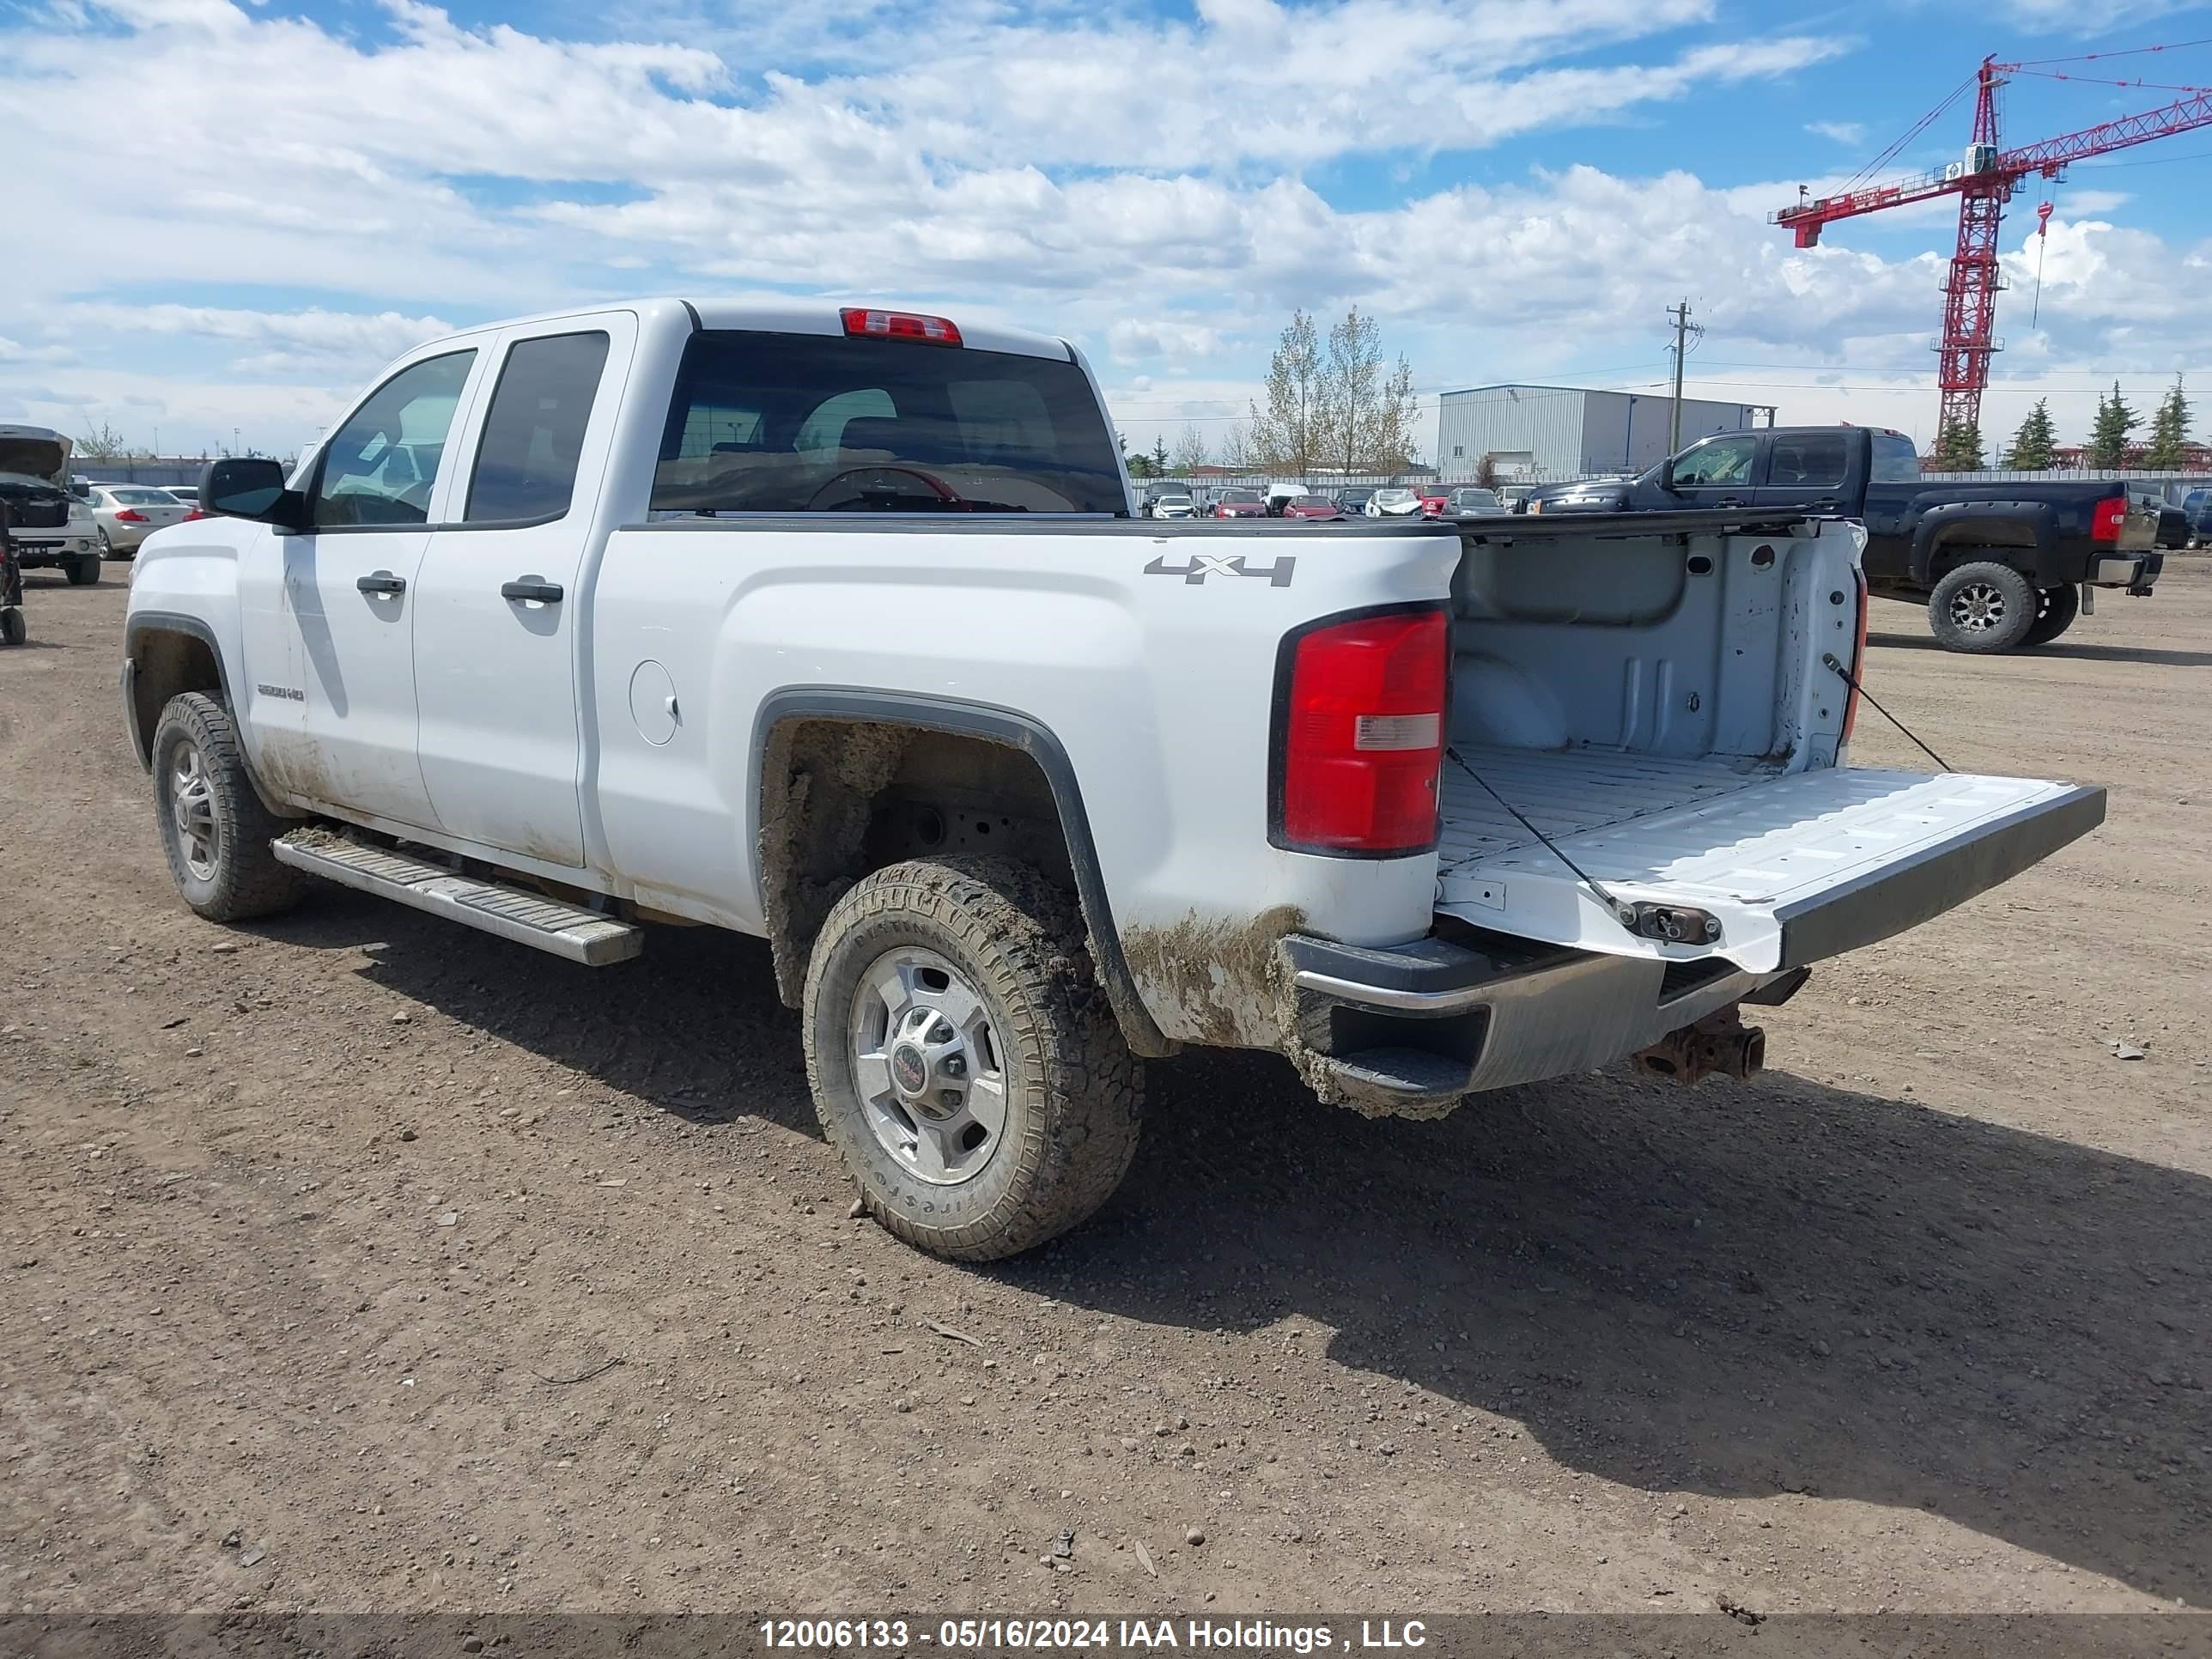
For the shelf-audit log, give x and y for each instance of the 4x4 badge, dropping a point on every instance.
(1202, 565)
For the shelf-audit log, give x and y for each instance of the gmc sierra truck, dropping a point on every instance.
(838, 628)
(51, 524)
(2000, 567)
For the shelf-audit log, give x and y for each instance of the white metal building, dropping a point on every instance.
(1545, 433)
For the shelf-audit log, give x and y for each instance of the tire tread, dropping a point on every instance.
(249, 881)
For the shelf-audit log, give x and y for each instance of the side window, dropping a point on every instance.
(1812, 460)
(379, 467)
(1895, 461)
(533, 434)
(1722, 461)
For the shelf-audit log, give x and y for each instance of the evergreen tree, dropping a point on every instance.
(1959, 449)
(2034, 446)
(2169, 432)
(1160, 456)
(2108, 437)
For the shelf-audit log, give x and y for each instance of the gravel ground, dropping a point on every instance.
(356, 1260)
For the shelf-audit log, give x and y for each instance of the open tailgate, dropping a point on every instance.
(1795, 867)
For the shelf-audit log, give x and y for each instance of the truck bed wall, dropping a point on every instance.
(1669, 645)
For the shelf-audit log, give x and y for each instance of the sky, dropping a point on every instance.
(226, 217)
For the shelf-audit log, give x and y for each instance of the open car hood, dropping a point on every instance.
(32, 454)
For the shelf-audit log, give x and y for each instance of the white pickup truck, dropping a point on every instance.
(837, 627)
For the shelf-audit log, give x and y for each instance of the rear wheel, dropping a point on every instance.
(2056, 608)
(1982, 608)
(84, 570)
(12, 631)
(214, 827)
(962, 1058)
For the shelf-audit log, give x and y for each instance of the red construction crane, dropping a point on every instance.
(1983, 180)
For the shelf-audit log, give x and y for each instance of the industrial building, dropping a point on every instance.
(1542, 434)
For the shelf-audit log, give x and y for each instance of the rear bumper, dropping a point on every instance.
(1412, 1029)
(2136, 572)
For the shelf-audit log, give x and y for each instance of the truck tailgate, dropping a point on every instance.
(1795, 867)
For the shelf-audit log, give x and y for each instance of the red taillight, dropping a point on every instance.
(1360, 735)
(2111, 514)
(194, 513)
(900, 325)
(129, 515)
(1858, 661)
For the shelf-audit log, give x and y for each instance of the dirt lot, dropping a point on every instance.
(357, 1260)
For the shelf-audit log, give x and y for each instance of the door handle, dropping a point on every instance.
(1731, 500)
(382, 581)
(530, 588)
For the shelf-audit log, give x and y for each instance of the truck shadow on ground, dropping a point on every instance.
(2078, 651)
(1740, 1290)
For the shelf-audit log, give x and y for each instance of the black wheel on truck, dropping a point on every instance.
(962, 1058)
(1982, 608)
(84, 570)
(214, 827)
(2055, 611)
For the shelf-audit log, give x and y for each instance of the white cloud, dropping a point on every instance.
(1843, 132)
(1141, 185)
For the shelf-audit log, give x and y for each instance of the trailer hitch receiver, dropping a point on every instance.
(1720, 1042)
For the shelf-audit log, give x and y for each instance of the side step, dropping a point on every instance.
(565, 930)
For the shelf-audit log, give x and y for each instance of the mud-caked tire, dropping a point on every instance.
(1982, 608)
(214, 827)
(964, 1060)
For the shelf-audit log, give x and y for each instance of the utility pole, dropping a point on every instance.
(1680, 313)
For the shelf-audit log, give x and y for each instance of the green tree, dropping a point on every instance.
(2108, 435)
(2169, 432)
(1959, 449)
(1160, 455)
(2035, 446)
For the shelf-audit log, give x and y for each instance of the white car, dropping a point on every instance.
(1394, 504)
(1176, 506)
(51, 526)
(656, 613)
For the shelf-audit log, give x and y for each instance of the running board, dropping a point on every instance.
(565, 930)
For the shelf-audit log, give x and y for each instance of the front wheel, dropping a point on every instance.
(214, 827)
(2055, 611)
(1982, 609)
(962, 1058)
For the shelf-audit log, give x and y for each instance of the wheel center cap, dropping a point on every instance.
(909, 1070)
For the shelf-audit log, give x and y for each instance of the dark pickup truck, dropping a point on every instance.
(1999, 566)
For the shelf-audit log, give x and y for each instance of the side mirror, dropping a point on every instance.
(1666, 477)
(252, 487)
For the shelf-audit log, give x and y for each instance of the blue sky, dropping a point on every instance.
(243, 210)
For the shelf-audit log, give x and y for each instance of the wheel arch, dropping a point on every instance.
(166, 654)
(795, 843)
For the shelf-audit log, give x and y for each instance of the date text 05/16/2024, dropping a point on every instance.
(1149, 1635)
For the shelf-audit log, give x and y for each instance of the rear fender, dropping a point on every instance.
(2022, 534)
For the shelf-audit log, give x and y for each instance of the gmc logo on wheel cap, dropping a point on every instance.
(1202, 565)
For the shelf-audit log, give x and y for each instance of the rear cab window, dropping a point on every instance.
(1895, 460)
(768, 422)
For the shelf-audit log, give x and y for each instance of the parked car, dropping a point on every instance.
(1999, 567)
(2196, 509)
(188, 494)
(2172, 532)
(1311, 507)
(1432, 497)
(1471, 501)
(880, 688)
(1354, 500)
(1394, 504)
(123, 515)
(1177, 504)
(49, 522)
(1240, 504)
